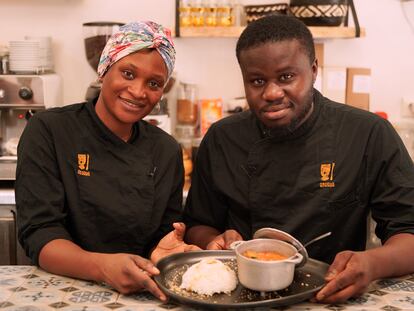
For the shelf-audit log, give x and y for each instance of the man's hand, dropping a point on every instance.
(348, 276)
(224, 240)
(129, 273)
(172, 243)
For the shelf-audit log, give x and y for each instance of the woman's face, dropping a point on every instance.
(131, 88)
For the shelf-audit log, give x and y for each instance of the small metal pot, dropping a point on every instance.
(263, 275)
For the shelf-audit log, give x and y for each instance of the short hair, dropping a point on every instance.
(276, 28)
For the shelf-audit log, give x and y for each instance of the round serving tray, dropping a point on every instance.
(307, 281)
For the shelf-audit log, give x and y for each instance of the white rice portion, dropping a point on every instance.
(209, 276)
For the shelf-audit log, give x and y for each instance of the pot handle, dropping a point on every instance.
(296, 259)
(235, 244)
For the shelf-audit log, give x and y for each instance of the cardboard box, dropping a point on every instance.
(334, 83)
(358, 87)
(319, 53)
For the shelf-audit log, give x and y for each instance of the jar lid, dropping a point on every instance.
(272, 233)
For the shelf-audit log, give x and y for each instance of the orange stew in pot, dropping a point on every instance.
(265, 256)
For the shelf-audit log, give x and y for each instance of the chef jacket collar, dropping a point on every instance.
(139, 130)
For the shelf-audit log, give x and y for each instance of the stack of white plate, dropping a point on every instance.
(32, 55)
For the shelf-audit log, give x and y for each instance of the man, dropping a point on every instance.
(301, 163)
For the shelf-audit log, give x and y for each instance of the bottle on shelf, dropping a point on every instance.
(197, 13)
(211, 13)
(185, 13)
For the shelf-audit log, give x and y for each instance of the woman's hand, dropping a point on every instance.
(172, 243)
(129, 273)
(348, 276)
(224, 240)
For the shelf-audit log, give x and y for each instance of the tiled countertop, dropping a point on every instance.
(28, 288)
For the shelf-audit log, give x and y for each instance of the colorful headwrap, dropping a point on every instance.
(136, 36)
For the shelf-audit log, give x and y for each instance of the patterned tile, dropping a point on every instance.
(17, 289)
(30, 276)
(16, 270)
(405, 302)
(114, 305)
(305, 306)
(335, 307)
(29, 307)
(36, 297)
(142, 308)
(378, 292)
(5, 295)
(5, 304)
(50, 282)
(91, 297)
(58, 305)
(138, 298)
(168, 306)
(396, 285)
(92, 286)
(85, 308)
(364, 301)
(69, 289)
(390, 308)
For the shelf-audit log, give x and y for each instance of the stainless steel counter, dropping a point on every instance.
(7, 197)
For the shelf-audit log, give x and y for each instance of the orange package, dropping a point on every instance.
(211, 110)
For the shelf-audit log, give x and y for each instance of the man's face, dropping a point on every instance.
(278, 80)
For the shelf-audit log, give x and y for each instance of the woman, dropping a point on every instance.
(96, 186)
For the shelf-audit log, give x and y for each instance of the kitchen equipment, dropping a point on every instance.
(96, 34)
(11, 253)
(266, 276)
(306, 282)
(21, 96)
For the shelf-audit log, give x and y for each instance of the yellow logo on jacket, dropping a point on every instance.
(83, 164)
(327, 175)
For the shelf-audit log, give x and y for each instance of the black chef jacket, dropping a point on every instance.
(327, 175)
(77, 180)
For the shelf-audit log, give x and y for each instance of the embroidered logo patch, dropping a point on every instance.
(327, 175)
(83, 164)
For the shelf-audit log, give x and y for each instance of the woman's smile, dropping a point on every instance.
(131, 104)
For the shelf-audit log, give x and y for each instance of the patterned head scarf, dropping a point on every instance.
(137, 36)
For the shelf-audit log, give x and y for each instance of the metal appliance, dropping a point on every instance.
(96, 34)
(11, 253)
(21, 96)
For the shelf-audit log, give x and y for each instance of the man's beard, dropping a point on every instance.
(297, 121)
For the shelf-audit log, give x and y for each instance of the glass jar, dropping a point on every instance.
(187, 106)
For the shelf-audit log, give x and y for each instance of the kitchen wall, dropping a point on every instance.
(387, 48)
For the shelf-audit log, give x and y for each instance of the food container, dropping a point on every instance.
(263, 275)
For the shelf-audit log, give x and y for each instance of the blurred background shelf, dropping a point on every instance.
(234, 32)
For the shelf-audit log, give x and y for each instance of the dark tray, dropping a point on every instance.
(307, 280)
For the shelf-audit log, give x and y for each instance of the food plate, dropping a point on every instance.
(307, 280)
